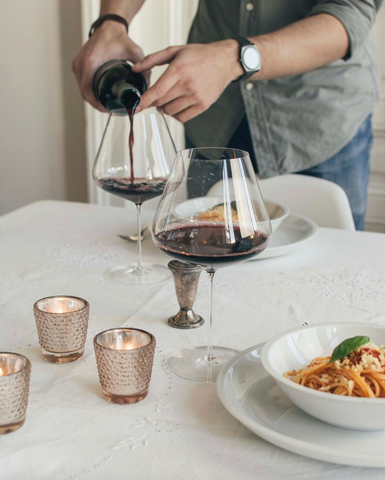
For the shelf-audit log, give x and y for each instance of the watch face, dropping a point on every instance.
(251, 58)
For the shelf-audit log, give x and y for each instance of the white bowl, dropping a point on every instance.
(296, 348)
(277, 213)
(188, 209)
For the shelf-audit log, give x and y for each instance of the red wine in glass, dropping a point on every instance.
(208, 244)
(136, 190)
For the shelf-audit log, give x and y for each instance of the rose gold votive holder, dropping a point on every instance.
(125, 361)
(15, 374)
(62, 323)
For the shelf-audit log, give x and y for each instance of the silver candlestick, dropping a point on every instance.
(186, 278)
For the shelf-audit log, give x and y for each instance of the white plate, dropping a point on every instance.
(252, 396)
(293, 232)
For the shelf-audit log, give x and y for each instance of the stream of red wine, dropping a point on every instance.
(131, 112)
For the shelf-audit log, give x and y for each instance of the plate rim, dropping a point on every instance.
(276, 251)
(285, 442)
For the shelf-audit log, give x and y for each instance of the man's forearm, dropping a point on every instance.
(301, 47)
(125, 8)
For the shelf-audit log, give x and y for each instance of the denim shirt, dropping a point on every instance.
(299, 121)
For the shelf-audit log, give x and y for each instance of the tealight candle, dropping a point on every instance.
(125, 362)
(15, 373)
(62, 323)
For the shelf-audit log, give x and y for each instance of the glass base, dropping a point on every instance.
(131, 275)
(62, 357)
(125, 399)
(193, 364)
(11, 427)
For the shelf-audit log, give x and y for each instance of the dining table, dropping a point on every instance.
(181, 430)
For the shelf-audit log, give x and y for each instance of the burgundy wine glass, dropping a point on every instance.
(210, 231)
(133, 162)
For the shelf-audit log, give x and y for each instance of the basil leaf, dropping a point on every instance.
(233, 205)
(347, 346)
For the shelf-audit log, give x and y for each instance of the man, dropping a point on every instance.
(297, 93)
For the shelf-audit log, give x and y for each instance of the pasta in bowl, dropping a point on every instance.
(358, 373)
(334, 372)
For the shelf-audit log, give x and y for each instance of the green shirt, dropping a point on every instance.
(299, 121)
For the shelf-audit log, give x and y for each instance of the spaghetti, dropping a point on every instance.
(217, 214)
(359, 374)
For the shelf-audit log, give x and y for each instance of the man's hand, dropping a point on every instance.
(108, 42)
(196, 77)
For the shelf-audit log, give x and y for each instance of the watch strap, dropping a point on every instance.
(108, 16)
(243, 41)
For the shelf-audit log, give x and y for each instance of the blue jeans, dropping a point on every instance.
(349, 168)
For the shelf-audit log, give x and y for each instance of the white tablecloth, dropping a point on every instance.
(181, 430)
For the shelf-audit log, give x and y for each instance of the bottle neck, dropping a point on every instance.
(127, 95)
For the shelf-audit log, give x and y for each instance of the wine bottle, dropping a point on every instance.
(116, 86)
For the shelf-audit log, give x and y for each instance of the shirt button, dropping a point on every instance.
(249, 86)
(249, 7)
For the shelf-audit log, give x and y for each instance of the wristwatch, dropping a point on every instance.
(249, 58)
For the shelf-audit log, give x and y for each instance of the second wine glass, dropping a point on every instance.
(212, 231)
(133, 162)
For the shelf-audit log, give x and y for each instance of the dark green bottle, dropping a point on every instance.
(116, 86)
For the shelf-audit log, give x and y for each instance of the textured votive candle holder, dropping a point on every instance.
(15, 374)
(62, 323)
(125, 361)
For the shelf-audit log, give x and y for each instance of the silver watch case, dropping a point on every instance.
(250, 59)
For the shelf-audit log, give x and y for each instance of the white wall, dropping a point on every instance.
(42, 126)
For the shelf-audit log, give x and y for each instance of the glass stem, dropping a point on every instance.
(210, 355)
(139, 243)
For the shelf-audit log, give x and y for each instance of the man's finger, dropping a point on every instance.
(176, 92)
(188, 114)
(160, 88)
(178, 105)
(159, 58)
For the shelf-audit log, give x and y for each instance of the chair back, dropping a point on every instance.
(322, 201)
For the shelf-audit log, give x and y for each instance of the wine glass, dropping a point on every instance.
(133, 162)
(211, 231)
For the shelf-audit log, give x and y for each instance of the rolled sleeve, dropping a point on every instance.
(357, 17)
